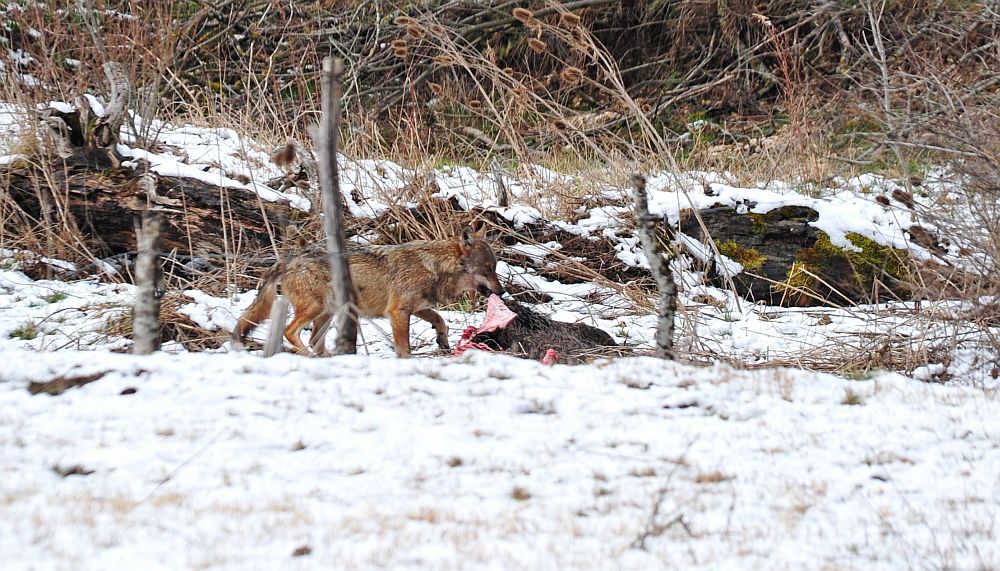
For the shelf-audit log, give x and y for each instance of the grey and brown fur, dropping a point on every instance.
(532, 334)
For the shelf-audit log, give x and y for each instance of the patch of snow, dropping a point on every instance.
(95, 104)
(535, 252)
(223, 460)
(61, 106)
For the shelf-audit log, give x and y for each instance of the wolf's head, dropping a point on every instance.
(479, 263)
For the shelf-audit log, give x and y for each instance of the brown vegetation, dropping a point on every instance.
(763, 89)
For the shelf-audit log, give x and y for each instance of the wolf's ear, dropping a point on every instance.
(475, 230)
(478, 228)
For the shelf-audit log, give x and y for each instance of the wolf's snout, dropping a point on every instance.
(486, 285)
(485, 290)
(497, 288)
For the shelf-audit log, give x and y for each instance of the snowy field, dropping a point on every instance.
(224, 460)
(229, 461)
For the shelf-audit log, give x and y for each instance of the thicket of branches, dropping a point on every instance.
(508, 76)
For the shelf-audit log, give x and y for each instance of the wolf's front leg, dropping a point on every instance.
(435, 319)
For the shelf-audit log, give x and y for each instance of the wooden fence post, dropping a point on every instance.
(659, 267)
(503, 197)
(148, 282)
(276, 336)
(345, 312)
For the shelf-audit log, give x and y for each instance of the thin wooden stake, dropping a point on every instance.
(503, 197)
(336, 240)
(148, 291)
(659, 266)
(279, 315)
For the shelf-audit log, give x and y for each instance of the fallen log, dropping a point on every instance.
(84, 196)
(95, 201)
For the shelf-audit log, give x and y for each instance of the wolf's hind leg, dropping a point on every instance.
(318, 339)
(294, 332)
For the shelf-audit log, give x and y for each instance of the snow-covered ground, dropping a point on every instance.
(225, 460)
(229, 461)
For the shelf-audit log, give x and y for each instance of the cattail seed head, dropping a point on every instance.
(523, 15)
(285, 155)
(536, 45)
(442, 59)
(475, 104)
(415, 31)
(405, 21)
(526, 17)
(571, 75)
(904, 198)
(569, 19)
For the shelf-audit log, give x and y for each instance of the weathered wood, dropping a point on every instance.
(149, 289)
(276, 336)
(503, 197)
(788, 261)
(777, 236)
(100, 199)
(78, 189)
(104, 131)
(659, 266)
(345, 313)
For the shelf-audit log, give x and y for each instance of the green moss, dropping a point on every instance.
(853, 273)
(55, 297)
(876, 259)
(749, 258)
(759, 222)
(820, 254)
(798, 279)
(703, 130)
(792, 212)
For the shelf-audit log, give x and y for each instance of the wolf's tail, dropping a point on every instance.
(260, 309)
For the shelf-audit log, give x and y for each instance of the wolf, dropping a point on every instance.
(394, 281)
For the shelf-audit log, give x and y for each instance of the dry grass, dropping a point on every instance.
(713, 477)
